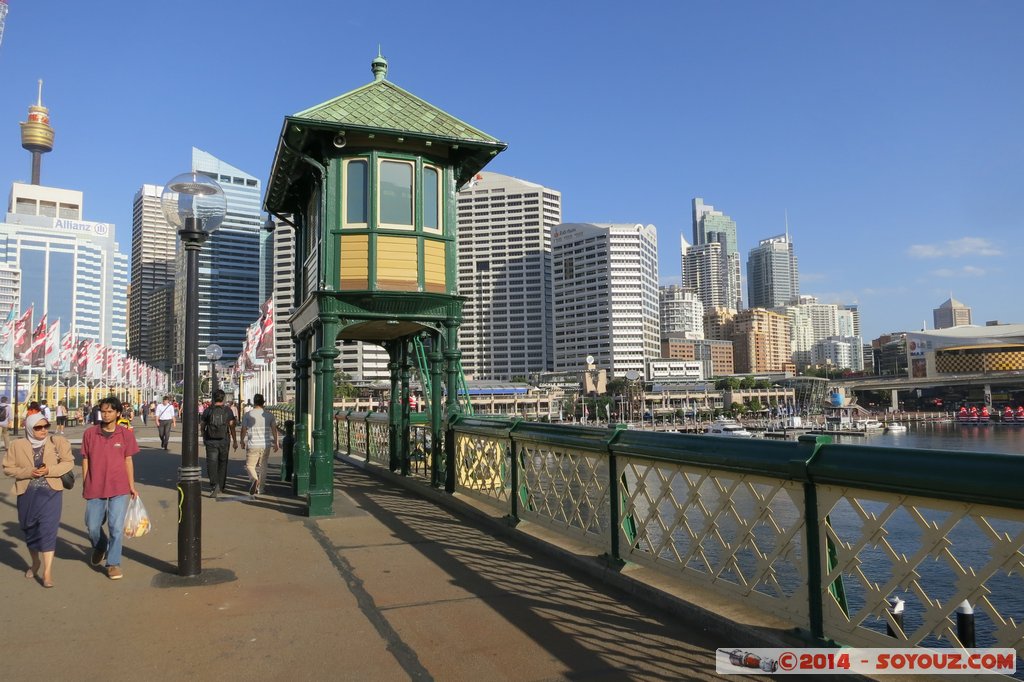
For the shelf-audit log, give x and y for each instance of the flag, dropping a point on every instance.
(7, 338)
(37, 351)
(266, 345)
(252, 342)
(67, 352)
(81, 360)
(96, 360)
(22, 336)
(51, 361)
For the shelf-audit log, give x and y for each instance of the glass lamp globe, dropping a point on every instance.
(193, 202)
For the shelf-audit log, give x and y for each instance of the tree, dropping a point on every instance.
(618, 386)
(755, 405)
(343, 387)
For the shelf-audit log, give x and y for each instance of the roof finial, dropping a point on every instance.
(379, 66)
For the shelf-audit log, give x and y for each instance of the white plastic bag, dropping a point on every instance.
(136, 520)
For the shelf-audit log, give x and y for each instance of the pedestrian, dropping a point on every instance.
(36, 462)
(259, 434)
(145, 413)
(166, 419)
(6, 416)
(45, 409)
(62, 417)
(94, 415)
(108, 482)
(218, 436)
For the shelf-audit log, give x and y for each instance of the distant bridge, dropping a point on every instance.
(908, 383)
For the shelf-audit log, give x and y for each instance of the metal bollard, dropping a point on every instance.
(896, 611)
(965, 624)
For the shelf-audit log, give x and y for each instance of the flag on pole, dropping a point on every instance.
(37, 351)
(81, 361)
(7, 338)
(96, 360)
(22, 335)
(266, 344)
(252, 342)
(67, 352)
(51, 360)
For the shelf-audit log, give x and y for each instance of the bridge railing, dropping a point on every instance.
(827, 536)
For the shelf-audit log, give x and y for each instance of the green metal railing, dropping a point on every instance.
(818, 533)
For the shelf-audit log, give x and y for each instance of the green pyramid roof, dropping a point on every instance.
(386, 106)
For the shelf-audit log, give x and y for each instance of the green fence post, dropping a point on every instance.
(816, 611)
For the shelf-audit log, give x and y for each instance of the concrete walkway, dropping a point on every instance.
(393, 587)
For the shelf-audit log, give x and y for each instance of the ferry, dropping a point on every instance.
(895, 427)
(728, 428)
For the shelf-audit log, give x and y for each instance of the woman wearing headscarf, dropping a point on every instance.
(36, 462)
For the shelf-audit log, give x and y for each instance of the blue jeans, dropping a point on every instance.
(114, 510)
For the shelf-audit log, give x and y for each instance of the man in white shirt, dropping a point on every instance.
(259, 434)
(166, 418)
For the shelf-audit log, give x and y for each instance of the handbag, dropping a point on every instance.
(68, 479)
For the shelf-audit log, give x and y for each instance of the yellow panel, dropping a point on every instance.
(396, 263)
(433, 265)
(354, 264)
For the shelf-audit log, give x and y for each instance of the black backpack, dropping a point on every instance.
(216, 423)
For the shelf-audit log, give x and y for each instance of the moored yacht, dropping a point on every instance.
(728, 428)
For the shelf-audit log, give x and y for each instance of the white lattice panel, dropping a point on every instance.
(932, 554)
(738, 534)
(567, 489)
(359, 439)
(378, 439)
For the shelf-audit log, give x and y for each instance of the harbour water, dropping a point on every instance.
(995, 437)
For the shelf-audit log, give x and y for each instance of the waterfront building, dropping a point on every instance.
(952, 313)
(605, 296)
(504, 247)
(839, 352)
(772, 275)
(960, 350)
(811, 322)
(714, 227)
(715, 355)
(760, 341)
(681, 312)
(229, 272)
(890, 354)
(70, 268)
(664, 369)
(154, 249)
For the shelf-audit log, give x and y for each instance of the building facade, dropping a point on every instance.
(760, 340)
(154, 250)
(605, 296)
(504, 246)
(229, 272)
(70, 269)
(952, 313)
(715, 355)
(773, 278)
(681, 312)
(714, 227)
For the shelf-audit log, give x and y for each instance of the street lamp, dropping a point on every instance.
(213, 353)
(194, 204)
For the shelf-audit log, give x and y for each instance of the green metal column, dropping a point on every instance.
(300, 481)
(403, 424)
(436, 375)
(394, 404)
(321, 480)
(453, 357)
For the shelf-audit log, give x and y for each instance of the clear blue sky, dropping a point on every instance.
(891, 132)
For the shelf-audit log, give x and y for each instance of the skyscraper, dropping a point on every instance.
(952, 313)
(505, 229)
(154, 247)
(714, 227)
(605, 296)
(704, 269)
(772, 275)
(682, 313)
(229, 272)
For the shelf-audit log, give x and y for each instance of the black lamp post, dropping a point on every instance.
(213, 353)
(196, 205)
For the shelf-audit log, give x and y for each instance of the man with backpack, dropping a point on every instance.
(218, 428)
(5, 421)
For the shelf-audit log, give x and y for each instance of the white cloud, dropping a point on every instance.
(955, 248)
(965, 271)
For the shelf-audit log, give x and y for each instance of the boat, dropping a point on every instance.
(895, 427)
(728, 428)
(985, 415)
(868, 425)
(1018, 416)
(1007, 415)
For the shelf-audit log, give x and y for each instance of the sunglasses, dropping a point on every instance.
(40, 427)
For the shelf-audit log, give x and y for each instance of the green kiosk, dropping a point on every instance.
(367, 180)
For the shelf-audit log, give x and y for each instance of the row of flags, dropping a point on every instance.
(259, 340)
(44, 347)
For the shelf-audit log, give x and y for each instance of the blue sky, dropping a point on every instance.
(890, 132)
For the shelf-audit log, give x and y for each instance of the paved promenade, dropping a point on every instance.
(393, 587)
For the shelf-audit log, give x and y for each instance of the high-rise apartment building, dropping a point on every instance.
(760, 341)
(952, 313)
(681, 312)
(811, 322)
(70, 269)
(715, 355)
(839, 352)
(605, 296)
(772, 275)
(714, 227)
(229, 272)
(154, 249)
(505, 272)
(854, 311)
